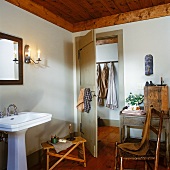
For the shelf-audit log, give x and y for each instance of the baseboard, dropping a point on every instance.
(107, 122)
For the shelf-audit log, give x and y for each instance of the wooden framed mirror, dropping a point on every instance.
(11, 60)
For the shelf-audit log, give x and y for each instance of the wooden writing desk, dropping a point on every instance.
(51, 152)
(137, 121)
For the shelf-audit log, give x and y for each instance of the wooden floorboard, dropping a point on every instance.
(107, 136)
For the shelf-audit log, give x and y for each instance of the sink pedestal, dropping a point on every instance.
(16, 151)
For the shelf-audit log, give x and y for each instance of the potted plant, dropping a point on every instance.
(134, 100)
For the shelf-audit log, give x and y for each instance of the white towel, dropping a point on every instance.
(134, 112)
(80, 103)
(60, 146)
(111, 101)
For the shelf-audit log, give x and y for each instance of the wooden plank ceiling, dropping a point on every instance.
(79, 15)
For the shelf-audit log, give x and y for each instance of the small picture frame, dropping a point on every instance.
(148, 64)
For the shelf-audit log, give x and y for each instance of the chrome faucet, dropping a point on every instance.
(15, 110)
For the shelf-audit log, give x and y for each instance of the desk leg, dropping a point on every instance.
(167, 142)
(48, 159)
(122, 130)
(128, 131)
(122, 134)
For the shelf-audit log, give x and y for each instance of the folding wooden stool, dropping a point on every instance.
(50, 151)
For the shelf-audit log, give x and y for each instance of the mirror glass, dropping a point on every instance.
(11, 60)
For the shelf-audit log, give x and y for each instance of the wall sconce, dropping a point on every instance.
(27, 55)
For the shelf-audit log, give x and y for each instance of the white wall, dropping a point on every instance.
(106, 52)
(47, 87)
(139, 39)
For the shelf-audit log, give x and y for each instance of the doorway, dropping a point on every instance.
(115, 38)
(112, 41)
(121, 100)
(107, 56)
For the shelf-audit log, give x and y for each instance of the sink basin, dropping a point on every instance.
(23, 120)
(16, 126)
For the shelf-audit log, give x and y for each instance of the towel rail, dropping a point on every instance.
(103, 62)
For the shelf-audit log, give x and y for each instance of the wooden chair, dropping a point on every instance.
(151, 157)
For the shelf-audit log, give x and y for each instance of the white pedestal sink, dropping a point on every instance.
(16, 126)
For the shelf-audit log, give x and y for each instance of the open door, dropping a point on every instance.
(87, 79)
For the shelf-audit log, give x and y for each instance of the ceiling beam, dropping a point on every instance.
(138, 15)
(42, 12)
(111, 40)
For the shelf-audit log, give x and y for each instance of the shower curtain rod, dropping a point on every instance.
(106, 62)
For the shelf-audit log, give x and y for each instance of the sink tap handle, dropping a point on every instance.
(15, 113)
(1, 115)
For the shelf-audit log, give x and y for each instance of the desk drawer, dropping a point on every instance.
(139, 121)
(134, 121)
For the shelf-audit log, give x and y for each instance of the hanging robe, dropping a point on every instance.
(100, 87)
(111, 101)
(105, 76)
(102, 83)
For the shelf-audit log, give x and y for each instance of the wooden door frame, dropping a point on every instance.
(103, 35)
(77, 81)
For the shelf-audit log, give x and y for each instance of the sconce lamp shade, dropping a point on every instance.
(27, 55)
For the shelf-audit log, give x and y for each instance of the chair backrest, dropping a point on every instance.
(157, 129)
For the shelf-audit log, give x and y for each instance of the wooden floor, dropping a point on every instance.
(107, 136)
